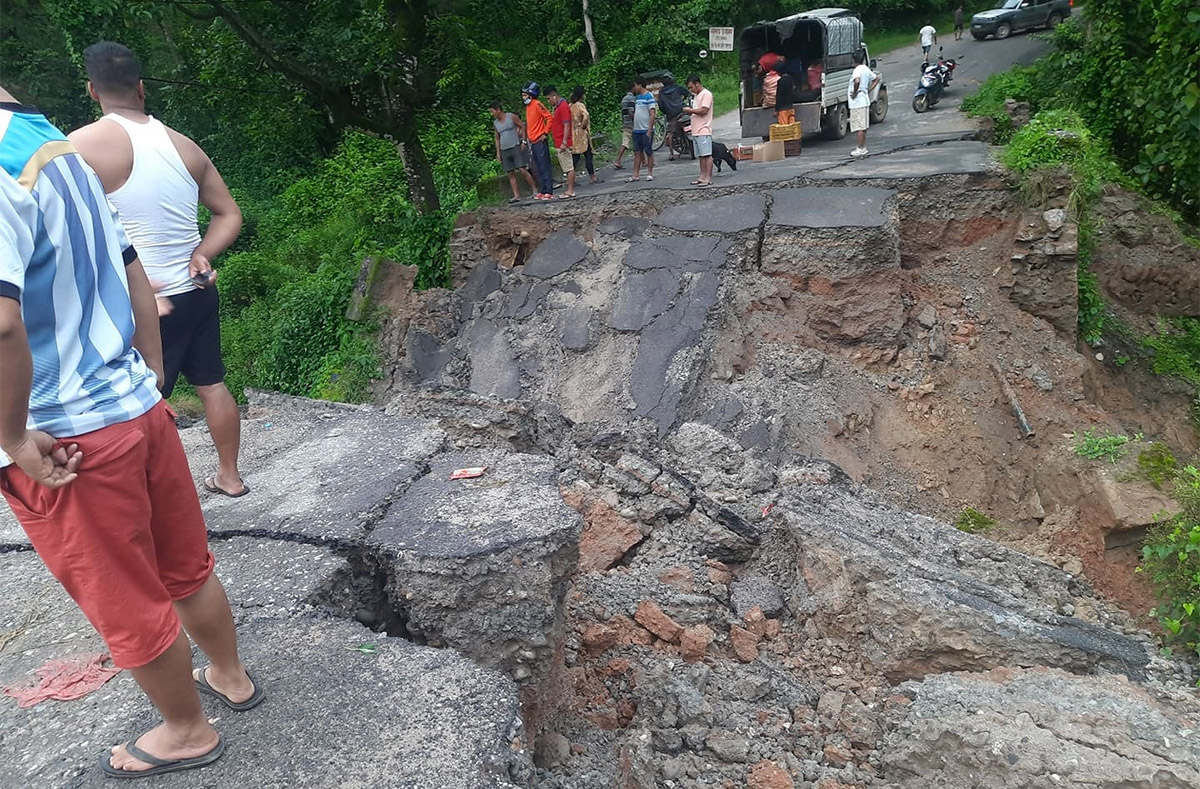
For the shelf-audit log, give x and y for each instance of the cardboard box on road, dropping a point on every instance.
(769, 151)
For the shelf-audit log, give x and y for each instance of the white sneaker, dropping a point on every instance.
(858, 152)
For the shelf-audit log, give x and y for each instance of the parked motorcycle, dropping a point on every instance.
(935, 78)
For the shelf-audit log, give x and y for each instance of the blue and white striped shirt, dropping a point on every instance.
(62, 256)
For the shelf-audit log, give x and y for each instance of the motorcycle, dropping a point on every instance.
(935, 78)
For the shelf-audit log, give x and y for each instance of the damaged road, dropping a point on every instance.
(695, 559)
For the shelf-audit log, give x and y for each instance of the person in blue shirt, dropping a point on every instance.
(645, 109)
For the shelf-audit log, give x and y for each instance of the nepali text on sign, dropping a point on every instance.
(720, 39)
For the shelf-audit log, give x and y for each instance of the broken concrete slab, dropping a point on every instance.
(669, 350)
(574, 328)
(315, 488)
(430, 711)
(558, 253)
(494, 369)
(829, 206)
(928, 598)
(404, 715)
(484, 279)
(729, 214)
(481, 564)
(623, 226)
(1011, 728)
(680, 253)
(644, 295)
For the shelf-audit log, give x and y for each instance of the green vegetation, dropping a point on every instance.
(972, 521)
(988, 101)
(1110, 446)
(1171, 561)
(1157, 464)
(1176, 348)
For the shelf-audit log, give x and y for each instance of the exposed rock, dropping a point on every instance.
(744, 643)
(650, 616)
(1012, 728)
(769, 775)
(930, 598)
(927, 317)
(728, 747)
(694, 642)
(606, 538)
(756, 591)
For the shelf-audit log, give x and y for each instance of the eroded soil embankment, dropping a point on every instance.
(869, 325)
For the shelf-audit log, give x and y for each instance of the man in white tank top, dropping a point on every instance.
(155, 177)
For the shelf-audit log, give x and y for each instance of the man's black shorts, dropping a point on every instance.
(191, 339)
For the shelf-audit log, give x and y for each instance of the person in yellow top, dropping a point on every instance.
(581, 134)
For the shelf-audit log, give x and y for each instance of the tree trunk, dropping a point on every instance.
(421, 189)
(587, 33)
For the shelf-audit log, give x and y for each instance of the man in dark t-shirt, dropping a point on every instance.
(785, 103)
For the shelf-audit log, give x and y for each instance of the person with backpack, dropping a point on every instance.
(671, 101)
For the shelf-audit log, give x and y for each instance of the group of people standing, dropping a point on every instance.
(107, 295)
(523, 144)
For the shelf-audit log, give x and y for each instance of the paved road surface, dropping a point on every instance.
(895, 144)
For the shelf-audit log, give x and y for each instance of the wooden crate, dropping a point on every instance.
(784, 132)
(791, 147)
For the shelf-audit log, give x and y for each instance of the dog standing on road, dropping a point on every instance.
(721, 154)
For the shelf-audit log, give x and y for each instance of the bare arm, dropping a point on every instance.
(854, 92)
(521, 133)
(146, 337)
(16, 374)
(36, 453)
(226, 220)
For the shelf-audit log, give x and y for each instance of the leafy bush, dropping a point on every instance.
(1017, 83)
(1110, 447)
(1132, 68)
(1059, 138)
(1171, 559)
(972, 521)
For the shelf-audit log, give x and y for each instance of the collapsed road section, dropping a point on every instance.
(692, 558)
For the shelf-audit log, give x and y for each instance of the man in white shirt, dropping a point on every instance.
(862, 82)
(155, 177)
(927, 37)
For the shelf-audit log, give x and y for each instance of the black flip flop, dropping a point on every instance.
(215, 488)
(237, 706)
(160, 766)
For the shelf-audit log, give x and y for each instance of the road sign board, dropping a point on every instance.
(720, 39)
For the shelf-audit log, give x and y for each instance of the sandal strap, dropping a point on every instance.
(137, 753)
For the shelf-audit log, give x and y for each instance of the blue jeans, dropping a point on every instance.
(541, 166)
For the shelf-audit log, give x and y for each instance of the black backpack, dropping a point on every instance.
(670, 98)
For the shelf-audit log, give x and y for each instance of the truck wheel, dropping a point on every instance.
(835, 122)
(921, 103)
(1003, 31)
(879, 107)
(1053, 21)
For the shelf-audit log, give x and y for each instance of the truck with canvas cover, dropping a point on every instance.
(817, 48)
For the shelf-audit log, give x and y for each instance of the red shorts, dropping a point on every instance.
(127, 537)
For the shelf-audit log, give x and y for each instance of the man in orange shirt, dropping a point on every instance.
(537, 126)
